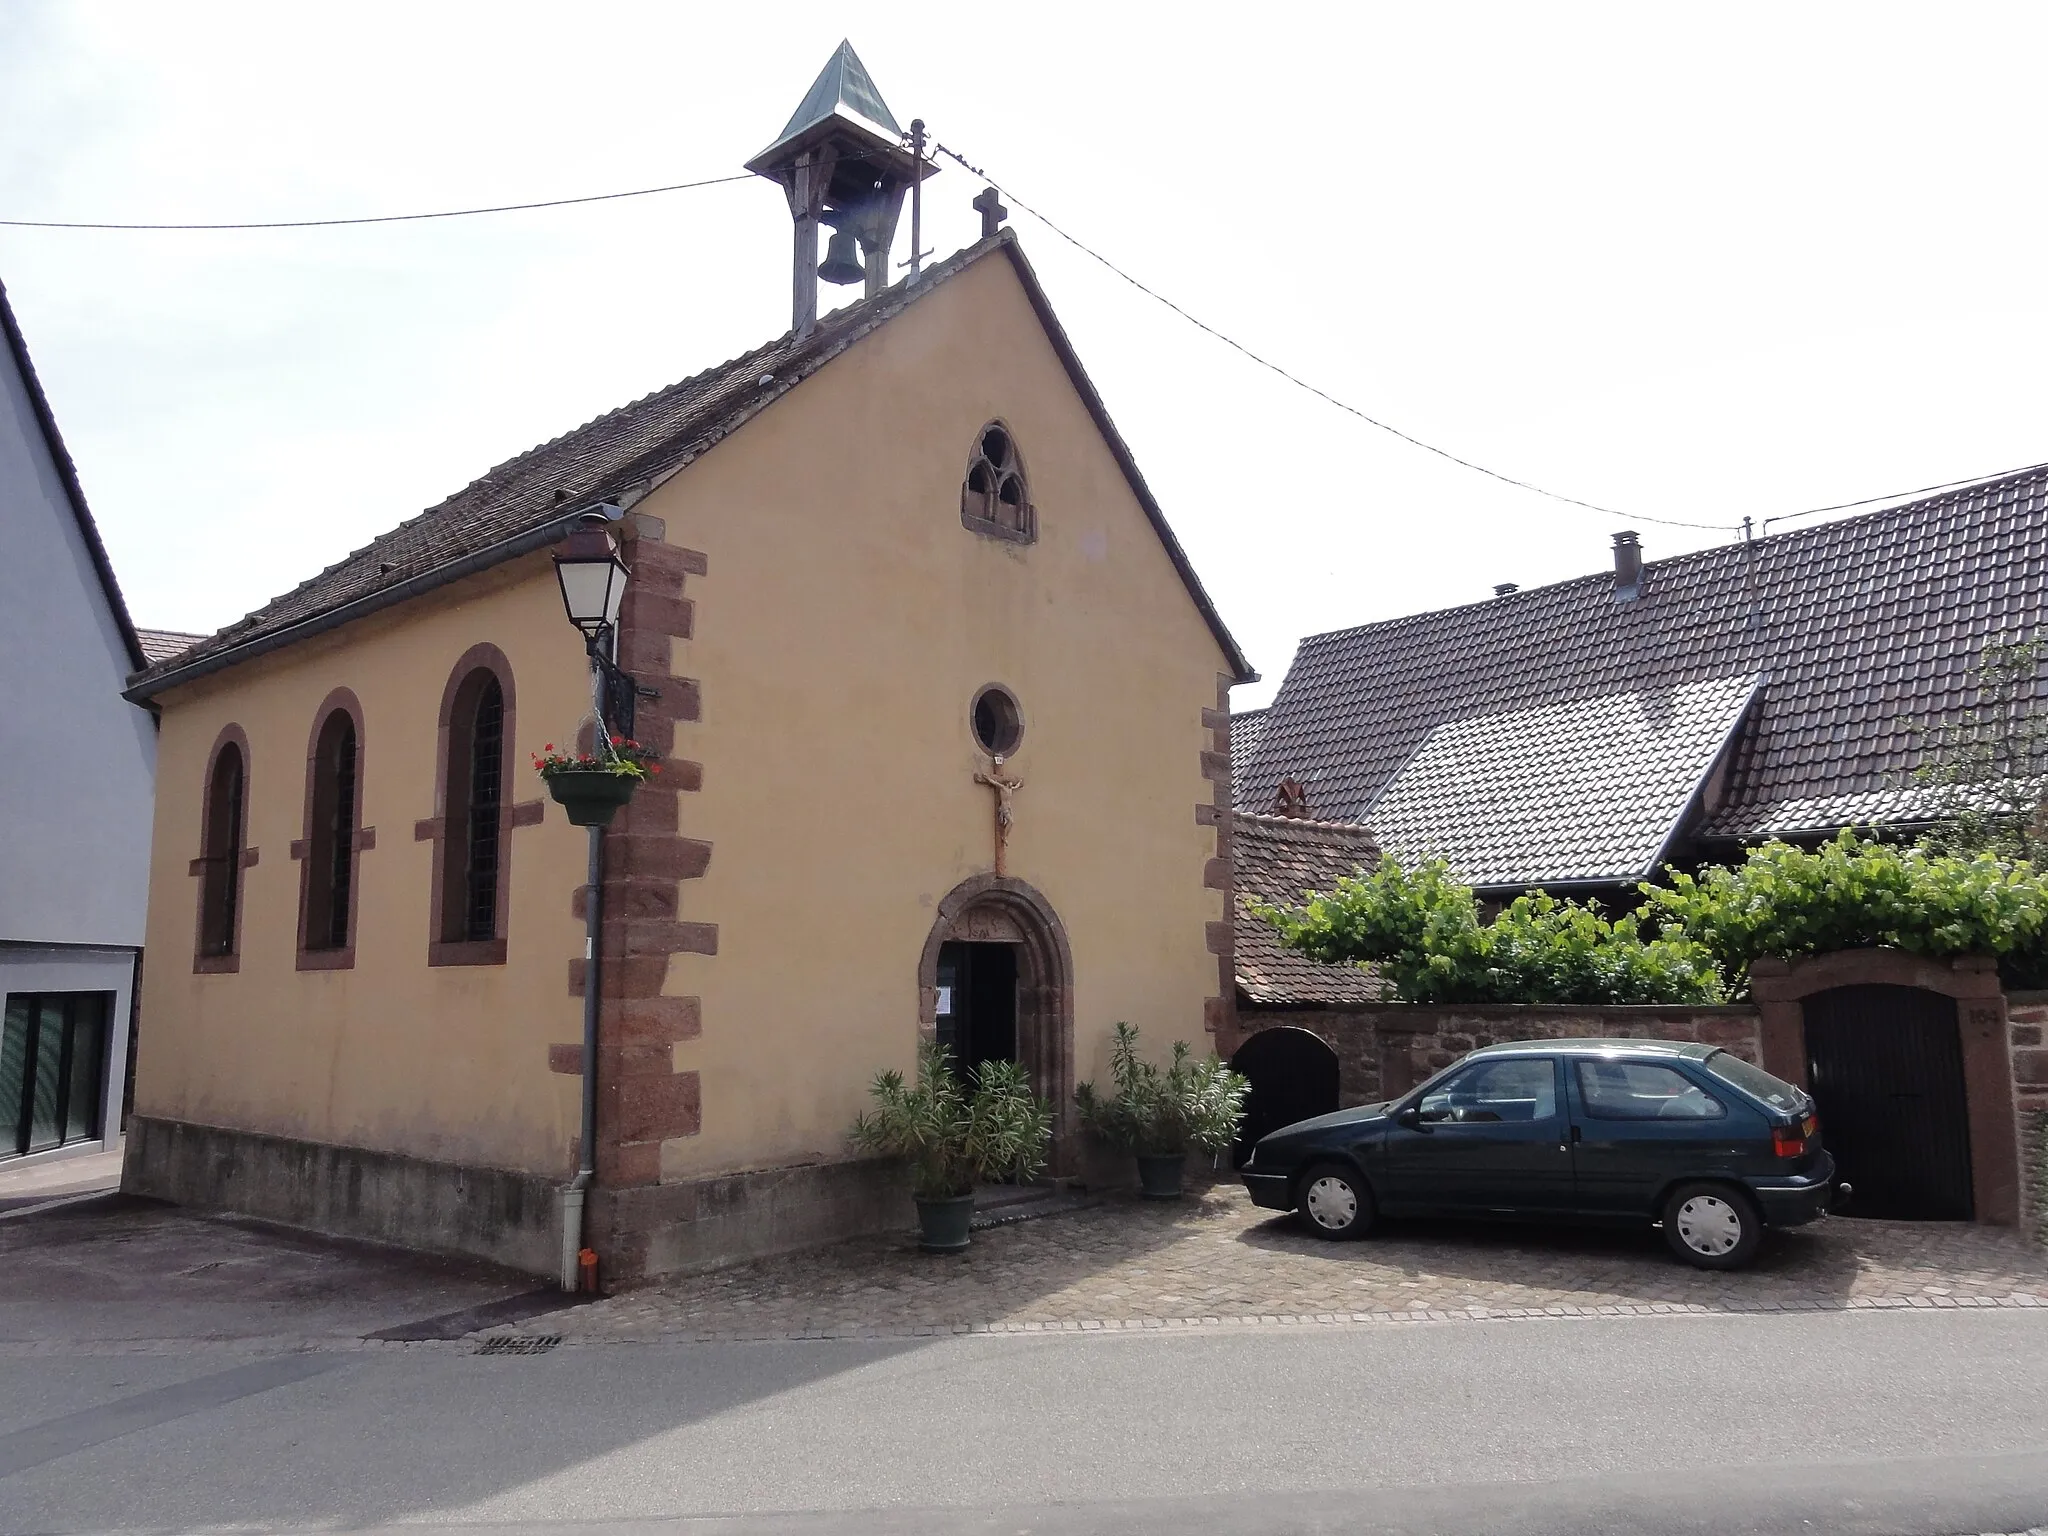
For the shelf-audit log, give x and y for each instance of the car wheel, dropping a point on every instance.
(1712, 1226)
(1335, 1202)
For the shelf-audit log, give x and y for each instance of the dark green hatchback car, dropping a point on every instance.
(1620, 1131)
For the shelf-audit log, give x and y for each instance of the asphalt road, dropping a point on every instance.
(1865, 1422)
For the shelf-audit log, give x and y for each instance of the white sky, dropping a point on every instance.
(1692, 262)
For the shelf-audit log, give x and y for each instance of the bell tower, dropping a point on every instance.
(842, 163)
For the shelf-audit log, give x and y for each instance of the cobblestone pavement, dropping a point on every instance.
(1215, 1259)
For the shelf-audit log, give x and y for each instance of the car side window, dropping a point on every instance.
(1518, 1089)
(1640, 1090)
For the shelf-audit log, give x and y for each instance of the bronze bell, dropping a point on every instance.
(842, 259)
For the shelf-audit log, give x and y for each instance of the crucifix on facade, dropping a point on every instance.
(1005, 817)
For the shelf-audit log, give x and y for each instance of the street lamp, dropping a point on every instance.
(593, 577)
(593, 580)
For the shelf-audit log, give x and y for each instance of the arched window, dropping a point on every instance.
(475, 820)
(994, 499)
(223, 836)
(474, 823)
(334, 836)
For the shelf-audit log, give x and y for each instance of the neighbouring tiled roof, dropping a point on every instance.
(162, 644)
(1858, 627)
(1590, 789)
(1245, 726)
(624, 452)
(1279, 860)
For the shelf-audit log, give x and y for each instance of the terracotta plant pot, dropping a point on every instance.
(591, 798)
(943, 1224)
(1159, 1174)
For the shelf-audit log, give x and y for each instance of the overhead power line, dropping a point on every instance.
(1085, 249)
(1925, 490)
(1408, 437)
(384, 218)
(1320, 393)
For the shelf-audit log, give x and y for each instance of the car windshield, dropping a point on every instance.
(1756, 1082)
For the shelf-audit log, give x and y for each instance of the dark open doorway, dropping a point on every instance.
(1885, 1064)
(977, 1018)
(1293, 1076)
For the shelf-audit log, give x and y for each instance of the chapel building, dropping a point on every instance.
(889, 557)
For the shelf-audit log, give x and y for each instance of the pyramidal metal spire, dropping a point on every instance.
(844, 88)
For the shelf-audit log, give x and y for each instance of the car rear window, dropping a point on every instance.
(1640, 1090)
(1756, 1082)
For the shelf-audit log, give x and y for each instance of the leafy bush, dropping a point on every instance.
(1854, 893)
(1420, 929)
(1986, 769)
(1153, 1113)
(951, 1137)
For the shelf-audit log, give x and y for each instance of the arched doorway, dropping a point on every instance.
(1885, 1067)
(1880, 1038)
(1293, 1075)
(997, 959)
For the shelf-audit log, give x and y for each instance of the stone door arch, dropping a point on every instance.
(1781, 990)
(997, 909)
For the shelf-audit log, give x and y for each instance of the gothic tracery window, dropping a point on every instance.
(995, 498)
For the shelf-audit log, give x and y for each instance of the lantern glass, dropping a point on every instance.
(592, 590)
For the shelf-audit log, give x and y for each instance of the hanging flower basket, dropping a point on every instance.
(592, 788)
(591, 796)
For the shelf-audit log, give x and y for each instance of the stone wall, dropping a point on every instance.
(1387, 1048)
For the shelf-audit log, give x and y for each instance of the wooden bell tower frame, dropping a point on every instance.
(841, 161)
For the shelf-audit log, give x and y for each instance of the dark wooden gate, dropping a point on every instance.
(1886, 1068)
(1293, 1076)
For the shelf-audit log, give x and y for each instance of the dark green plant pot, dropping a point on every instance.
(591, 798)
(943, 1224)
(1159, 1174)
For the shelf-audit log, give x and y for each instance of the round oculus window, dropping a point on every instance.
(998, 722)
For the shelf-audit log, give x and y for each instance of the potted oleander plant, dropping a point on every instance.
(954, 1134)
(591, 786)
(1161, 1114)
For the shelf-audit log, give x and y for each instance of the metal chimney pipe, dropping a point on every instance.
(1628, 567)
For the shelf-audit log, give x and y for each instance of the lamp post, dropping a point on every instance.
(593, 580)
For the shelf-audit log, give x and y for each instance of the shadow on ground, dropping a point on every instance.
(122, 1269)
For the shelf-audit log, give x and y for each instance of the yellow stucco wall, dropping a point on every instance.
(439, 1062)
(846, 620)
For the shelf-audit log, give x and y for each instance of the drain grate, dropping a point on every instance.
(520, 1344)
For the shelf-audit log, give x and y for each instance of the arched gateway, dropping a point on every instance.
(996, 981)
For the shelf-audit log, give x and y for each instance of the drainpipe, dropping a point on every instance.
(575, 1217)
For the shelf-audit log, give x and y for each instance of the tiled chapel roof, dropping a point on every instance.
(1856, 628)
(620, 455)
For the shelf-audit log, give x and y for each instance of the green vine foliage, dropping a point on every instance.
(1420, 929)
(956, 1134)
(1986, 769)
(1193, 1103)
(1857, 892)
